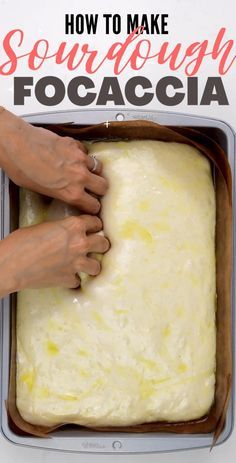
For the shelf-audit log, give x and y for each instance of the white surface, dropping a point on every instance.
(200, 18)
(189, 21)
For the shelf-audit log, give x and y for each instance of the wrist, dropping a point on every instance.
(7, 284)
(7, 270)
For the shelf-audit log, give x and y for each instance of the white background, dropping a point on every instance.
(189, 21)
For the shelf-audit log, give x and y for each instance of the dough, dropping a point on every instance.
(136, 343)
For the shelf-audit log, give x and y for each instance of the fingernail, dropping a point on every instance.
(98, 207)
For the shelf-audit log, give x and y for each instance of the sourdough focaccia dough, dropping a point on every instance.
(137, 343)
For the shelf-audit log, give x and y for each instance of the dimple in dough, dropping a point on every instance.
(136, 343)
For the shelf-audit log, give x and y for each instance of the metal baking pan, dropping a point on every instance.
(86, 441)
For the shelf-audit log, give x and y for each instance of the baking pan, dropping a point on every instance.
(101, 442)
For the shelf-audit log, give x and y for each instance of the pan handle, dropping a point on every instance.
(97, 116)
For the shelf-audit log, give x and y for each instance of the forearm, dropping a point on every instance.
(7, 265)
(12, 133)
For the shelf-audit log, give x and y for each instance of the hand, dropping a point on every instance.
(51, 254)
(55, 166)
